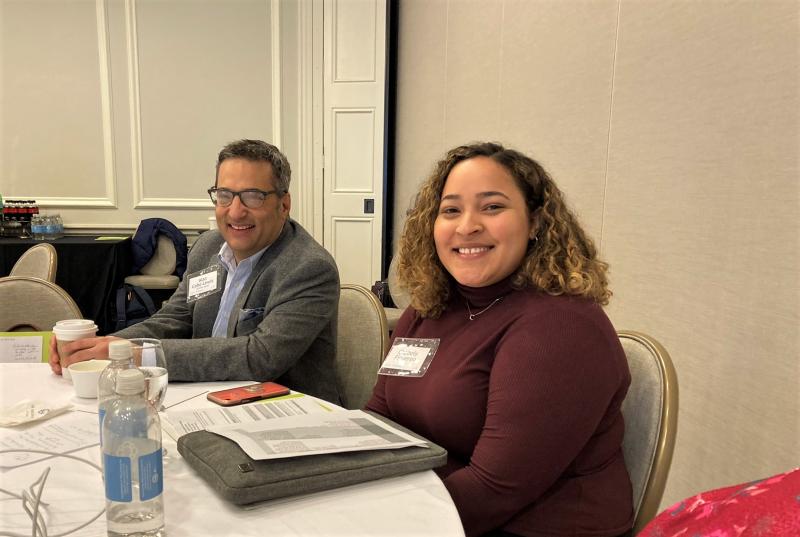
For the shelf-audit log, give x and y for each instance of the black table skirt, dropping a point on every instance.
(88, 269)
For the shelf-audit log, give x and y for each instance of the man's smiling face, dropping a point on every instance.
(249, 230)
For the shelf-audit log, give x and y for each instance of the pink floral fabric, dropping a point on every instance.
(766, 508)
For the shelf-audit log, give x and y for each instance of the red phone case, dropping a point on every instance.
(247, 394)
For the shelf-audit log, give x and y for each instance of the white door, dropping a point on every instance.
(354, 67)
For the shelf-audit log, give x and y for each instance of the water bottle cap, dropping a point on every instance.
(130, 381)
(120, 350)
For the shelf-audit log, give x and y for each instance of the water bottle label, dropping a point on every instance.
(118, 478)
(100, 414)
(151, 476)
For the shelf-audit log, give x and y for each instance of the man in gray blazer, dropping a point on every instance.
(259, 297)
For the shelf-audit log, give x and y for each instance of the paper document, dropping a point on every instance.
(315, 434)
(71, 433)
(198, 419)
(24, 347)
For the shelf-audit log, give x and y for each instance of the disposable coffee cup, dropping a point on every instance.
(71, 330)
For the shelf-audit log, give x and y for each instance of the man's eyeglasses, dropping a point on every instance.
(252, 198)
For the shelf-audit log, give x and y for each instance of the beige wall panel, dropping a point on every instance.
(204, 79)
(533, 75)
(350, 235)
(701, 224)
(555, 95)
(51, 57)
(474, 73)
(419, 132)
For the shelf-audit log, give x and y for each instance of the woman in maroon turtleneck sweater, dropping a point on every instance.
(526, 385)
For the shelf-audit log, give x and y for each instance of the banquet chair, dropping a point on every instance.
(38, 261)
(651, 419)
(362, 338)
(33, 305)
(400, 297)
(158, 272)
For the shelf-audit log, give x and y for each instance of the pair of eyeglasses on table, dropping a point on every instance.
(415, 504)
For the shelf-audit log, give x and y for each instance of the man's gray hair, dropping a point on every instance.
(259, 151)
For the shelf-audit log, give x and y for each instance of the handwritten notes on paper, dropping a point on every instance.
(24, 347)
(71, 433)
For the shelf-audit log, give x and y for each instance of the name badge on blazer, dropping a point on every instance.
(203, 283)
(409, 357)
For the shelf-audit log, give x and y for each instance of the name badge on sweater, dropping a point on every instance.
(203, 283)
(409, 357)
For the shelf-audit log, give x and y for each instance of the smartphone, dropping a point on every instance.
(246, 394)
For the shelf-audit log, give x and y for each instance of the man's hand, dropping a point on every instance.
(78, 351)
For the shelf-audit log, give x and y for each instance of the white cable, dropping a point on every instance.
(39, 528)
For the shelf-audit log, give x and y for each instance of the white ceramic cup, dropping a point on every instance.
(85, 376)
(71, 330)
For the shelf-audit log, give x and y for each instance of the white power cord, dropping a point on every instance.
(31, 499)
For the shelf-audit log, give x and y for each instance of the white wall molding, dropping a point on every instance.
(89, 203)
(118, 228)
(275, 50)
(106, 112)
(140, 200)
(308, 170)
(134, 109)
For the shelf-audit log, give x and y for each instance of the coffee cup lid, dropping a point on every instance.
(75, 326)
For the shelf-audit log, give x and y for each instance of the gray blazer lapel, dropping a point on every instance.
(266, 259)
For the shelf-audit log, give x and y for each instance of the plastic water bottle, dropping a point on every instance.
(121, 355)
(132, 465)
(38, 227)
(50, 228)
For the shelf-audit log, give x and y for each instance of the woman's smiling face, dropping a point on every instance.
(483, 226)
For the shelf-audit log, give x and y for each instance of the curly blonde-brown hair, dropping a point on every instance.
(561, 260)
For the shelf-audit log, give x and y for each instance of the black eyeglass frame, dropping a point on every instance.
(265, 193)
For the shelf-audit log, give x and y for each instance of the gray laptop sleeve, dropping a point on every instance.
(242, 480)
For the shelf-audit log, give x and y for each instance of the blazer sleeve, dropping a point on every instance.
(301, 304)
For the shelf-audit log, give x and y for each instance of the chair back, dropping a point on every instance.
(38, 261)
(33, 305)
(362, 338)
(158, 272)
(651, 419)
(400, 296)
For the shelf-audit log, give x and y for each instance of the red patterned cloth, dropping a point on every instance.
(766, 508)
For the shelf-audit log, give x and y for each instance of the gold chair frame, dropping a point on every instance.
(664, 446)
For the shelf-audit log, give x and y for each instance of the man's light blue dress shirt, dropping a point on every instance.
(237, 276)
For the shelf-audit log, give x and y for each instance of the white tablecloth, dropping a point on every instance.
(416, 504)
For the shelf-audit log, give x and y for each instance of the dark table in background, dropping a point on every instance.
(89, 270)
